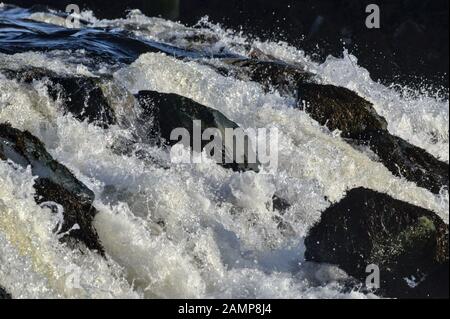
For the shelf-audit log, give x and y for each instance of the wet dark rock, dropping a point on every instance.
(55, 183)
(80, 96)
(403, 240)
(341, 109)
(166, 112)
(83, 98)
(271, 74)
(28, 75)
(428, 287)
(409, 161)
(280, 205)
(4, 294)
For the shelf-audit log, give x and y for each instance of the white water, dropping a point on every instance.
(219, 238)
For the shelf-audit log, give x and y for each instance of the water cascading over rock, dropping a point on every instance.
(340, 109)
(407, 243)
(168, 112)
(80, 96)
(54, 184)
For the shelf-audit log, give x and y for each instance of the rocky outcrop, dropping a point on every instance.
(165, 112)
(55, 183)
(162, 113)
(83, 98)
(4, 294)
(409, 244)
(411, 162)
(80, 96)
(341, 109)
(272, 74)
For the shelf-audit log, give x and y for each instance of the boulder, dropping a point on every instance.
(411, 162)
(409, 244)
(54, 183)
(272, 74)
(162, 113)
(341, 109)
(83, 98)
(28, 74)
(80, 96)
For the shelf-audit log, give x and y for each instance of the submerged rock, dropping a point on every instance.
(409, 244)
(4, 294)
(411, 162)
(164, 113)
(271, 74)
(83, 98)
(55, 184)
(341, 109)
(28, 74)
(80, 96)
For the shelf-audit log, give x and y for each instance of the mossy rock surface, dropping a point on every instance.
(408, 243)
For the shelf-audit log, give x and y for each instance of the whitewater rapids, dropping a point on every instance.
(206, 249)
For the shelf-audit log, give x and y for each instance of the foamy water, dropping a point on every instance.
(219, 239)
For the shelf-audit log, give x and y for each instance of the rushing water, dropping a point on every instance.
(219, 238)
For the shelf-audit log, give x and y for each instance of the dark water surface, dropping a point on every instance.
(411, 45)
(19, 34)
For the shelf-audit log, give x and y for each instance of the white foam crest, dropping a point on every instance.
(49, 18)
(52, 18)
(61, 62)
